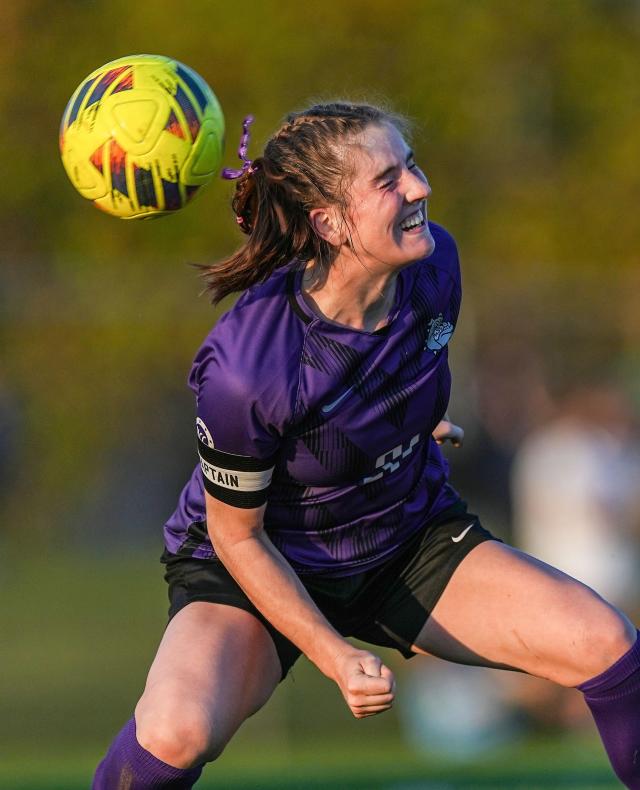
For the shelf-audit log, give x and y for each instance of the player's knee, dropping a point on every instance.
(603, 634)
(612, 637)
(181, 738)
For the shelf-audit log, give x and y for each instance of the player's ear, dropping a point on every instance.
(325, 223)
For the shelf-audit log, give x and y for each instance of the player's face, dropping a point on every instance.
(388, 206)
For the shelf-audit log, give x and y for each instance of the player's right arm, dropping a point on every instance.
(245, 549)
(243, 410)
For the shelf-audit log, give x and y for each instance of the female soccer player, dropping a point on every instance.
(321, 507)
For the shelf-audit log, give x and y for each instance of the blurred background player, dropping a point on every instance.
(576, 505)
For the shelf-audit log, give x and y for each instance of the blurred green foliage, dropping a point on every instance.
(527, 122)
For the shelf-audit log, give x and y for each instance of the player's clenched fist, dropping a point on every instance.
(367, 685)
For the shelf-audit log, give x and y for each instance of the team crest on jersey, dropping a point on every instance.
(439, 334)
(203, 433)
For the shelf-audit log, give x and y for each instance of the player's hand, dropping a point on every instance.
(367, 685)
(446, 430)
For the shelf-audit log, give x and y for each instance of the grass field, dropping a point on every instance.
(77, 639)
(536, 764)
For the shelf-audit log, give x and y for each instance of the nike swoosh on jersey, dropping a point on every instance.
(459, 537)
(329, 407)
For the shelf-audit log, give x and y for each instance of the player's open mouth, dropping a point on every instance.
(413, 221)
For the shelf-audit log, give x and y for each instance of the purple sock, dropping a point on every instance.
(127, 766)
(614, 700)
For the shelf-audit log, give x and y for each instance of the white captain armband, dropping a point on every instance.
(235, 479)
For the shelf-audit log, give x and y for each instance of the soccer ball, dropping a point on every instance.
(141, 135)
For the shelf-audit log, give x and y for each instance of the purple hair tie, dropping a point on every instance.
(230, 173)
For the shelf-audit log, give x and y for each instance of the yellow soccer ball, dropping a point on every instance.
(141, 135)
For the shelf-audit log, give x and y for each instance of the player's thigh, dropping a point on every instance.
(503, 608)
(215, 667)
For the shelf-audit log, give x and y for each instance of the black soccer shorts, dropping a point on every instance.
(385, 606)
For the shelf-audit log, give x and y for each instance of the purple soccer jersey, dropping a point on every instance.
(329, 425)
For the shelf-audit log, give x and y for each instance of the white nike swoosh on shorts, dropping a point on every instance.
(459, 537)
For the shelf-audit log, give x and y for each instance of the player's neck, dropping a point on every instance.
(352, 295)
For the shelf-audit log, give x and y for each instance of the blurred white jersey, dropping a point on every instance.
(573, 488)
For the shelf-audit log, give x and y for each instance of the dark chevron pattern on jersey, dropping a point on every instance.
(330, 445)
(308, 360)
(335, 450)
(363, 537)
(319, 518)
(380, 391)
(196, 536)
(424, 296)
(331, 357)
(442, 399)
(373, 491)
(387, 394)
(455, 299)
(424, 302)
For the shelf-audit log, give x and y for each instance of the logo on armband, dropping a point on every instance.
(203, 433)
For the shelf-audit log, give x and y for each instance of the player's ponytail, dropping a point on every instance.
(303, 167)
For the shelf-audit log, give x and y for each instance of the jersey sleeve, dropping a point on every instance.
(237, 443)
(448, 261)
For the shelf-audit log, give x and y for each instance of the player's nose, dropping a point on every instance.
(418, 187)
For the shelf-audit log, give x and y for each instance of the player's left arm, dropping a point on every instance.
(447, 431)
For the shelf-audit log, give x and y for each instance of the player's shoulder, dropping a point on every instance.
(443, 238)
(445, 253)
(258, 340)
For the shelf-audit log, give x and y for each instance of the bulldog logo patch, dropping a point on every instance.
(439, 334)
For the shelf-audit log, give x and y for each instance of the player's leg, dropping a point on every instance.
(215, 667)
(503, 608)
